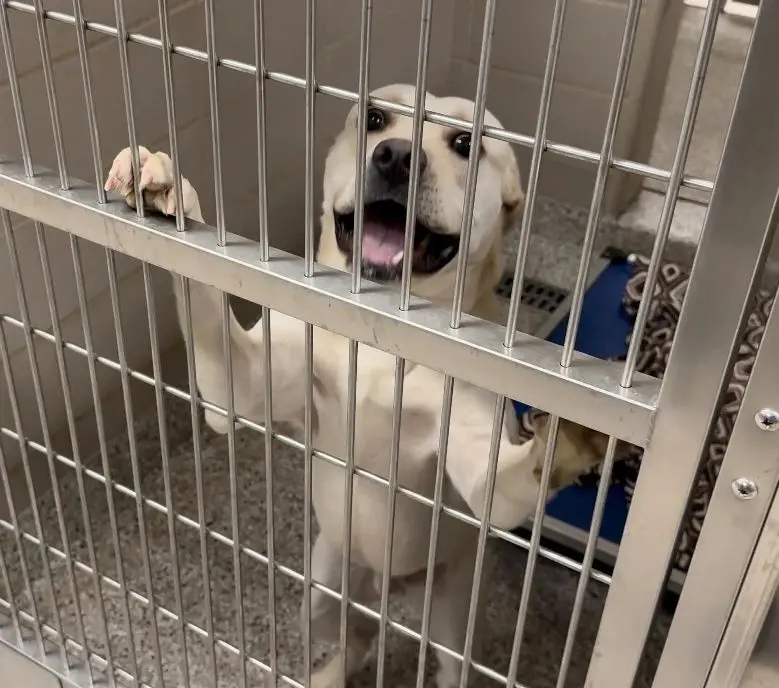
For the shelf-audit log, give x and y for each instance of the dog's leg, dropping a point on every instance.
(326, 567)
(157, 189)
(577, 450)
(449, 614)
(156, 186)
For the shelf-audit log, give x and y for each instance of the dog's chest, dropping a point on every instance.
(371, 427)
(373, 443)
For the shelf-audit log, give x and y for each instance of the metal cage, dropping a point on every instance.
(48, 552)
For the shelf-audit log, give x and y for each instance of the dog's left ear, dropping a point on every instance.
(511, 193)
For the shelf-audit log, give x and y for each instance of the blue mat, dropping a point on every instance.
(603, 332)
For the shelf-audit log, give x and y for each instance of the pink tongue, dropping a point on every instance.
(381, 242)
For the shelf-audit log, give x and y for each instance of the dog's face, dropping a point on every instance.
(439, 210)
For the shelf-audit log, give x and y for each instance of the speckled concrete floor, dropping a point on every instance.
(554, 256)
(547, 624)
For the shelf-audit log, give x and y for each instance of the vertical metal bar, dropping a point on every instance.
(389, 528)
(535, 545)
(601, 177)
(269, 511)
(124, 66)
(21, 298)
(674, 184)
(484, 528)
(134, 463)
(13, 84)
(102, 442)
(438, 496)
(13, 398)
(116, 309)
(213, 101)
(362, 142)
(308, 409)
(59, 345)
(51, 94)
(23, 563)
(262, 146)
(233, 467)
(480, 103)
(194, 397)
(308, 432)
(170, 109)
(547, 89)
(94, 135)
(259, 47)
(12, 609)
(711, 321)
(706, 602)
(587, 562)
(165, 457)
(310, 131)
(351, 417)
(420, 94)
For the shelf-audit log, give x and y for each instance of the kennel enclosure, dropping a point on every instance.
(718, 619)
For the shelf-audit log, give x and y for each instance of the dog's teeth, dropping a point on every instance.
(397, 259)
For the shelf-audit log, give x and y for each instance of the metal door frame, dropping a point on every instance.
(740, 515)
(735, 241)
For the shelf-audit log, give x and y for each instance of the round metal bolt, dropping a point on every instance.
(767, 419)
(744, 488)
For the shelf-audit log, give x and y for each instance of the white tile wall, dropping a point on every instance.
(592, 34)
(586, 67)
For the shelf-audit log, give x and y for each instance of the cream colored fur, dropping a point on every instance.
(497, 203)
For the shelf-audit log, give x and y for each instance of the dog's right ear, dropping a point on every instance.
(512, 194)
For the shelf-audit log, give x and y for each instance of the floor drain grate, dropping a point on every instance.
(542, 297)
(544, 306)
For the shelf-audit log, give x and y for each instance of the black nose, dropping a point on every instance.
(392, 159)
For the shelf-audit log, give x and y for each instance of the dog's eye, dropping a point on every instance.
(461, 144)
(376, 119)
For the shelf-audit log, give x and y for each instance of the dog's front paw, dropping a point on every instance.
(156, 183)
(577, 451)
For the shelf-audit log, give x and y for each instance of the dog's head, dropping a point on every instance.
(439, 210)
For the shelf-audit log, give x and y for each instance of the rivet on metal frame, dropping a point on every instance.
(744, 488)
(767, 419)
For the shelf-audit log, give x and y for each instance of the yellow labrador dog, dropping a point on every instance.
(498, 201)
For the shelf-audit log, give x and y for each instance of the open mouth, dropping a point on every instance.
(383, 236)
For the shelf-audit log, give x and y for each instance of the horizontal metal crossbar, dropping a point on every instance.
(560, 149)
(588, 392)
